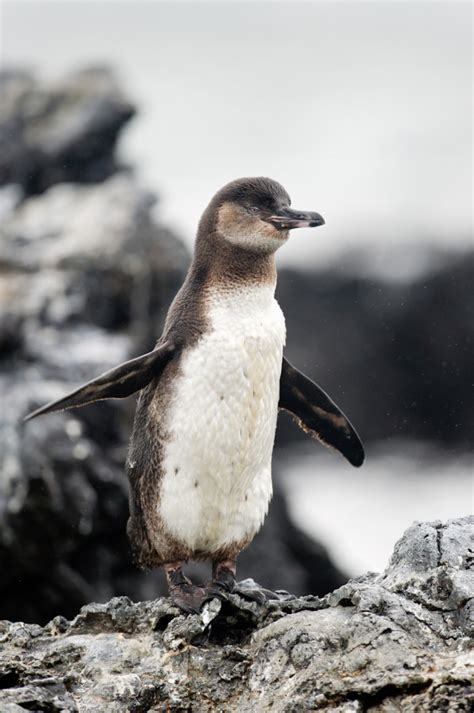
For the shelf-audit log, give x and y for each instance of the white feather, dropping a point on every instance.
(217, 463)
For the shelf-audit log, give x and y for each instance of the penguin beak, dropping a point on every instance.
(287, 218)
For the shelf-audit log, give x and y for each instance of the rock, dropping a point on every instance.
(86, 279)
(396, 356)
(399, 641)
(57, 132)
(102, 259)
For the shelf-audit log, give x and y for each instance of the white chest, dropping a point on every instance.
(217, 464)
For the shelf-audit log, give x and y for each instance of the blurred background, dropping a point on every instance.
(118, 122)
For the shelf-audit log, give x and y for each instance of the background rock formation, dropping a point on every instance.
(66, 131)
(396, 355)
(399, 641)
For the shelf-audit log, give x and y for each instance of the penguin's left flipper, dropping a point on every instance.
(317, 414)
(124, 380)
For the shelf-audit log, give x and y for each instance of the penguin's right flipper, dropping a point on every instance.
(124, 380)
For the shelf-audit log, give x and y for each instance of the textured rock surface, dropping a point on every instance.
(399, 641)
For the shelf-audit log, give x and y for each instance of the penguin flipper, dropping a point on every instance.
(124, 380)
(318, 415)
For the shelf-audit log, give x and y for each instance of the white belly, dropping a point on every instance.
(217, 464)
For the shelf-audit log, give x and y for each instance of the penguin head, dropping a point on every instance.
(255, 214)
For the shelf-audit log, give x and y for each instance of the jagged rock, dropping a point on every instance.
(64, 131)
(399, 641)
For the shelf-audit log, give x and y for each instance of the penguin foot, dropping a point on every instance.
(224, 583)
(183, 593)
(223, 580)
(216, 590)
(189, 597)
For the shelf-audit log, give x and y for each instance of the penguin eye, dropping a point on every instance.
(253, 209)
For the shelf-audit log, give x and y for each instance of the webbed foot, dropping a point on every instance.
(184, 594)
(189, 597)
(223, 580)
(224, 583)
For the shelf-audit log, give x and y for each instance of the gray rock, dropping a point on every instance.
(86, 278)
(397, 357)
(56, 132)
(102, 259)
(371, 644)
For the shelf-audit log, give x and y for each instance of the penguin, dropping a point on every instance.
(199, 461)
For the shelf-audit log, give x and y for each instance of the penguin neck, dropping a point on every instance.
(220, 264)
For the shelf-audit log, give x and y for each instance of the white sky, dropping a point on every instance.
(361, 109)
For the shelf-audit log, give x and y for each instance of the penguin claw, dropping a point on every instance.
(217, 590)
(247, 589)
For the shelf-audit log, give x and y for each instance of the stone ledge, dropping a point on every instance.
(398, 641)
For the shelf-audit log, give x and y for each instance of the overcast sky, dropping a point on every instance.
(361, 109)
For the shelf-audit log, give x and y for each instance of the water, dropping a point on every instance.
(360, 514)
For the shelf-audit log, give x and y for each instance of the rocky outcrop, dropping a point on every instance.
(86, 279)
(399, 641)
(86, 276)
(395, 356)
(59, 132)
